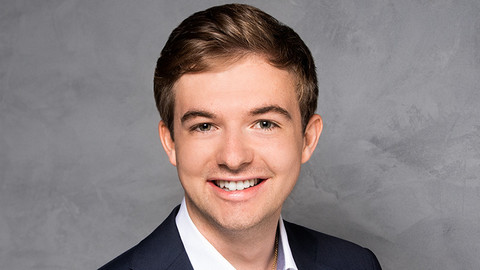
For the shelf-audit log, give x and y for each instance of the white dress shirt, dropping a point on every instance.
(203, 256)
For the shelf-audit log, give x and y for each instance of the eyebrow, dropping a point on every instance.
(196, 113)
(271, 108)
(257, 111)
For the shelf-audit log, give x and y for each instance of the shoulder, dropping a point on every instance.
(162, 249)
(310, 248)
(122, 262)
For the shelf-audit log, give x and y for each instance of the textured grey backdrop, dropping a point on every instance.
(84, 177)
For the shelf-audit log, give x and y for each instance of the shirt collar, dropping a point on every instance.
(285, 257)
(203, 255)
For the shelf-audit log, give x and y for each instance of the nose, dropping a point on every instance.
(234, 152)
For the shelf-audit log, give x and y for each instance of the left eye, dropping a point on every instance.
(264, 124)
(204, 127)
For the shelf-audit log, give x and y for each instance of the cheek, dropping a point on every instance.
(283, 156)
(193, 156)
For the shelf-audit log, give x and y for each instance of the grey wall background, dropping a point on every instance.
(84, 177)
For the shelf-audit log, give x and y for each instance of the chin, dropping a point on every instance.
(237, 225)
(244, 222)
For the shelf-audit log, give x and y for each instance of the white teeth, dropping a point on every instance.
(236, 185)
(232, 186)
(240, 185)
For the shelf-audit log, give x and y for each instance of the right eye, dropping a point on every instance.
(203, 127)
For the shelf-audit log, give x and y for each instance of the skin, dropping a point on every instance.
(236, 123)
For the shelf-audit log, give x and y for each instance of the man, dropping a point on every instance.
(237, 92)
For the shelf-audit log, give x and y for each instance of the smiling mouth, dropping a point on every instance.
(237, 185)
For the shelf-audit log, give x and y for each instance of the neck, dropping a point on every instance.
(251, 248)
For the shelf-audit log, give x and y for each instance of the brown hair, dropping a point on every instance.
(228, 33)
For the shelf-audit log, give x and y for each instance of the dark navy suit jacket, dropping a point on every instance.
(163, 250)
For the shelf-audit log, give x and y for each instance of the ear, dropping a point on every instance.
(310, 138)
(167, 142)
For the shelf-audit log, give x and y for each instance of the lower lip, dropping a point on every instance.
(237, 195)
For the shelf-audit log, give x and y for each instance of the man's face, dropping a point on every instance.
(238, 143)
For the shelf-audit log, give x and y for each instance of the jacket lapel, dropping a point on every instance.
(304, 248)
(162, 249)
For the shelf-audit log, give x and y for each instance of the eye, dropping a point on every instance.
(203, 127)
(265, 124)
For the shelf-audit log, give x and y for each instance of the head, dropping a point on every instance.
(223, 35)
(237, 92)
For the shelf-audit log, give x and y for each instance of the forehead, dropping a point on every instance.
(249, 82)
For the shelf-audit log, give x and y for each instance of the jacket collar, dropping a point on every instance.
(162, 249)
(304, 248)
